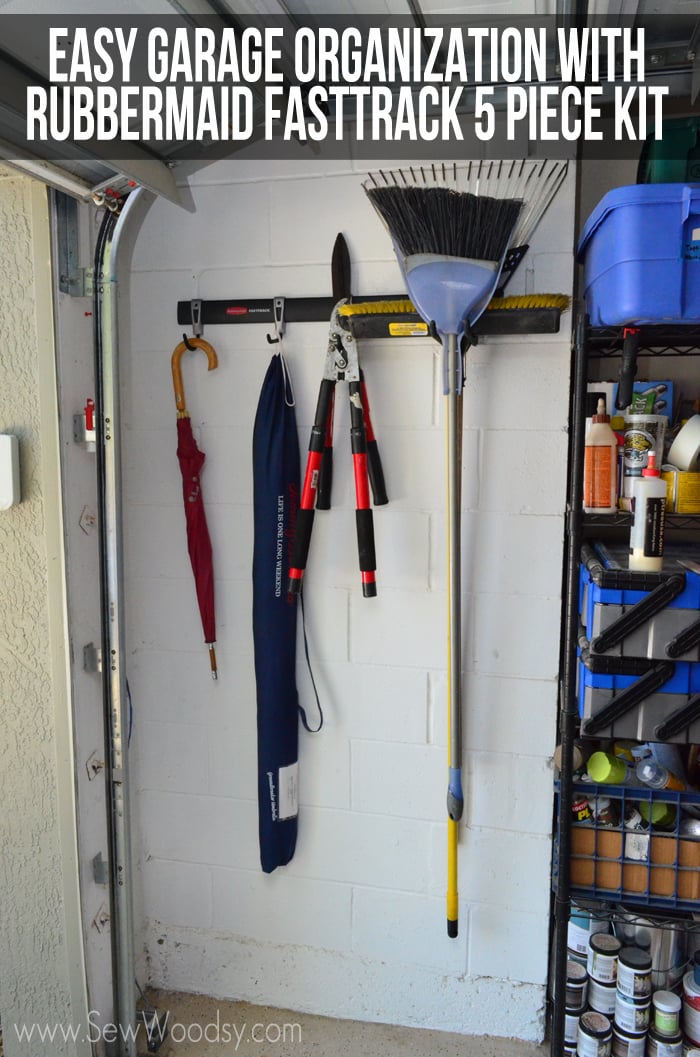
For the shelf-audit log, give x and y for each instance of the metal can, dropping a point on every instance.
(634, 972)
(691, 1009)
(602, 957)
(667, 1012)
(664, 1045)
(601, 997)
(626, 1045)
(571, 1019)
(576, 986)
(632, 1014)
(594, 1035)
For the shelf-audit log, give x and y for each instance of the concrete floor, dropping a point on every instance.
(207, 1027)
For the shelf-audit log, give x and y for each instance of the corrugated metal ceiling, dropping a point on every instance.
(24, 61)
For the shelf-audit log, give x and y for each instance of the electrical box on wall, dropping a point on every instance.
(9, 471)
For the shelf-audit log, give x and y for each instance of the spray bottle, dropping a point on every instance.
(649, 506)
(600, 465)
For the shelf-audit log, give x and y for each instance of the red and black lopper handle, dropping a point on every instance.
(363, 512)
(307, 502)
(325, 476)
(374, 463)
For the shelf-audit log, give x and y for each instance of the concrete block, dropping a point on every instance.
(500, 714)
(239, 218)
(523, 472)
(402, 628)
(515, 385)
(174, 686)
(507, 944)
(502, 553)
(405, 929)
(501, 869)
(516, 635)
(320, 209)
(509, 792)
(369, 701)
(149, 465)
(280, 909)
(173, 756)
(208, 830)
(402, 544)
(355, 848)
(407, 781)
(232, 740)
(324, 768)
(177, 893)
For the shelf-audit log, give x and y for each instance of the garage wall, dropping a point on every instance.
(355, 926)
(42, 986)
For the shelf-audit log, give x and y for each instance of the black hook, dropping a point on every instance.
(192, 348)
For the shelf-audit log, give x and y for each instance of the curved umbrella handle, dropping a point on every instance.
(189, 343)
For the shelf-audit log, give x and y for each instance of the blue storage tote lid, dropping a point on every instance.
(641, 254)
(633, 195)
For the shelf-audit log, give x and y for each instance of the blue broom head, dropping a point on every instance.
(450, 291)
(452, 226)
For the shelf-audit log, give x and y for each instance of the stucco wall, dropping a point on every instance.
(40, 951)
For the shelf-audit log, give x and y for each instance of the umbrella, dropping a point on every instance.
(191, 461)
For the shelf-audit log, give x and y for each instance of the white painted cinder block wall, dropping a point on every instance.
(355, 926)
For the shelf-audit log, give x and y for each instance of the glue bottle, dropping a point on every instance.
(600, 465)
(649, 506)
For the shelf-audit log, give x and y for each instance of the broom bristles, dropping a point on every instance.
(476, 210)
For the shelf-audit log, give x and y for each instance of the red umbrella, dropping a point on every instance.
(191, 461)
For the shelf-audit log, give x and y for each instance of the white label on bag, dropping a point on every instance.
(288, 791)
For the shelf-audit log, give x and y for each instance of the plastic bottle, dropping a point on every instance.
(604, 768)
(600, 465)
(649, 506)
(656, 776)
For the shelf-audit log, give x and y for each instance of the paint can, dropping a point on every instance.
(626, 1045)
(691, 1008)
(601, 997)
(643, 433)
(632, 1014)
(667, 946)
(571, 1019)
(603, 950)
(634, 973)
(659, 1045)
(667, 1012)
(594, 1035)
(583, 924)
(576, 986)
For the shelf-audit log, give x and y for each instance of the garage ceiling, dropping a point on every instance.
(83, 171)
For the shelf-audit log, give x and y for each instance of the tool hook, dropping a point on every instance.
(278, 312)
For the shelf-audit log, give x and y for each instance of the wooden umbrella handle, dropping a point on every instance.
(190, 343)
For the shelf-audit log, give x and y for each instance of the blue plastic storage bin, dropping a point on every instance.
(640, 250)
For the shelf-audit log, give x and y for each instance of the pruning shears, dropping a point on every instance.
(342, 364)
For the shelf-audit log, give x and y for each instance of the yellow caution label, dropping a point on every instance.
(408, 330)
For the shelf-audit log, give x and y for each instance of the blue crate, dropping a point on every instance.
(685, 679)
(640, 249)
(592, 594)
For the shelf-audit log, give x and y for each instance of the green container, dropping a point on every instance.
(676, 157)
(660, 813)
(603, 767)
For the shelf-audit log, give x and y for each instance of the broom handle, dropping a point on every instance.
(455, 798)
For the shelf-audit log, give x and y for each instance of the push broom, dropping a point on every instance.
(452, 227)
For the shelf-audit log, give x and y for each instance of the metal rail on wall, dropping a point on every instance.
(115, 692)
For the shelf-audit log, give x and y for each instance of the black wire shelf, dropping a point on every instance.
(657, 339)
